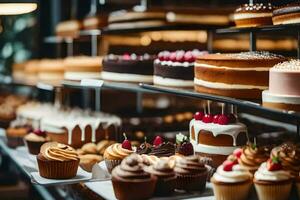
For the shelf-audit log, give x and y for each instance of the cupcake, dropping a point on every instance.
(251, 156)
(35, 140)
(57, 161)
(165, 177)
(103, 145)
(16, 132)
(271, 181)
(231, 181)
(191, 173)
(131, 182)
(115, 153)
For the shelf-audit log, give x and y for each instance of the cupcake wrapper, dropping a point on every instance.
(194, 182)
(57, 169)
(232, 191)
(33, 147)
(273, 191)
(111, 164)
(165, 187)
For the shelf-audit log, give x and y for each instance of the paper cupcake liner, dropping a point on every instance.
(192, 182)
(273, 191)
(53, 169)
(33, 147)
(111, 164)
(165, 186)
(232, 191)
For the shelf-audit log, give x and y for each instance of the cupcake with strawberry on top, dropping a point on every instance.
(35, 140)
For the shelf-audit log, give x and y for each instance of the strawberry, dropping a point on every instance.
(208, 118)
(166, 56)
(238, 152)
(126, 144)
(126, 56)
(223, 120)
(173, 57)
(161, 56)
(199, 115)
(186, 148)
(157, 141)
(216, 118)
(39, 132)
(227, 165)
(233, 159)
(273, 164)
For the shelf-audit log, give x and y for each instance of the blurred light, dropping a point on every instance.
(145, 40)
(17, 8)
(102, 2)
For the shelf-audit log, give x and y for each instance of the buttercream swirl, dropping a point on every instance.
(116, 152)
(238, 174)
(58, 152)
(263, 174)
(130, 168)
(190, 165)
(161, 169)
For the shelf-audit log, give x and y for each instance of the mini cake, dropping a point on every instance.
(249, 15)
(57, 161)
(132, 20)
(94, 22)
(283, 92)
(35, 140)
(69, 28)
(51, 70)
(81, 67)
(216, 136)
(289, 14)
(232, 74)
(175, 69)
(128, 68)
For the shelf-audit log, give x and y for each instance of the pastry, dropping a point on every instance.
(272, 181)
(232, 75)
(89, 148)
(288, 14)
(165, 175)
(250, 15)
(131, 182)
(16, 132)
(283, 92)
(51, 70)
(57, 161)
(94, 22)
(31, 70)
(87, 161)
(191, 174)
(231, 182)
(69, 28)
(127, 68)
(175, 69)
(35, 140)
(18, 70)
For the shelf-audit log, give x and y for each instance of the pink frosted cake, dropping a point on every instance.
(284, 90)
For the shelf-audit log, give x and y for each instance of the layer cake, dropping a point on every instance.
(289, 14)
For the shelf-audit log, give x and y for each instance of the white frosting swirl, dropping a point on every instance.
(264, 174)
(237, 174)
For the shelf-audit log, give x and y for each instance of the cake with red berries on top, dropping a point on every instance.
(128, 68)
(175, 69)
(216, 136)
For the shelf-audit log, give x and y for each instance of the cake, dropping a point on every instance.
(175, 69)
(51, 70)
(250, 15)
(217, 136)
(94, 22)
(69, 28)
(283, 92)
(131, 20)
(34, 140)
(289, 14)
(232, 75)
(18, 70)
(31, 69)
(81, 67)
(128, 68)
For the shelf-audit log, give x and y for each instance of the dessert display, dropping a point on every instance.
(288, 14)
(16, 132)
(18, 70)
(131, 181)
(35, 140)
(232, 75)
(31, 70)
(94, 22)
(81, 67)
(231, 181)
(57, 161)
(131, 20)
(69, 28)
(283, 91)
(251, 15)
(127, 68)
(272, 181)
(175, 69)
(51, 70)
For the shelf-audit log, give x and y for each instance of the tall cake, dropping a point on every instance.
(289, 14)
(284, 90)
(175, 69)
(239, 75)
(216, 136)
(128, 68)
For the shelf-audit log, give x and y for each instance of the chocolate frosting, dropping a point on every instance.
(175, 72)
(163, 150)
(161, 169)
(190, 165)
(144, 148)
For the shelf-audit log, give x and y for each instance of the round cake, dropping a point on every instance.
(237, 75)
(284, 90)
(175, 69)
(128, 68)
(216, 139)
(289, 14)
(69, 28)
(94, 22)
(250, 15)
(51, 70)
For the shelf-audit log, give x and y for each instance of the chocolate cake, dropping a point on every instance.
(289, 14)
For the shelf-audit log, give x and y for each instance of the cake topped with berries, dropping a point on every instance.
(176, 69)
(128, 68)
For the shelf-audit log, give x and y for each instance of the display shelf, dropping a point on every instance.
(254, 106)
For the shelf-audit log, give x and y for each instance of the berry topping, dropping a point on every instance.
(216, 118)
(161, 56)
(273, 164)
(238, 152)
(126, 56)
(180, 57)
(232, 158)
(199, 115)
(208, 118)
(223, 120)
(166, 56)
(157, 141)
(188, 57)
(227, 165)
(39, 132)
(184, 146)
(232, 118)
(126, 144)
(173, 57)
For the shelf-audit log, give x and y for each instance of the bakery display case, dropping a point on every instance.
(150, 100)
